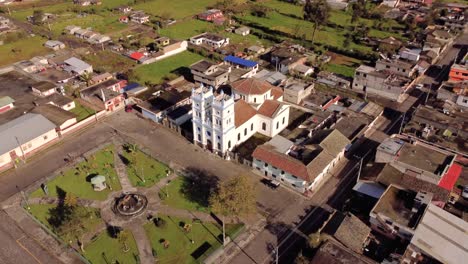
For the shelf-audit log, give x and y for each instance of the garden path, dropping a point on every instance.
(121, 169)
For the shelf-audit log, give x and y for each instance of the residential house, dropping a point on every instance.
(243, 31)
(173, 48)
(455, 123)
(301, 167)
(87, 2)
(398, 67)
(333, 80)
(178, 116)
(139, 17)
(77, 66)
(407, 54)
(29, 66)
(58, 100)
(256, 50)
(105, 95)
(101, 78)
(295, 91)
(44, 88)
(439, 238)
(440, 35)
(423, 162)
(222, 121)
(210, 74)
(381, 83)
(124, 19)
(54, 44)
(249, 66)
(214, 15)
(284, 60)
(157, 107)
(337, 4)
(398, 211)
(332, 252)
(302, 70)
(163, 41)
(272, 77)
(99, 39)
(456, 92)
(23, 136)
(125, 9)
(321, 100)
(6, 103)
(458, 72)
(348, 230)
(61, 118)
(209, 39)
(72, 29)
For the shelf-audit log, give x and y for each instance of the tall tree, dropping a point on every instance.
(37, 17)
(316, 12)
(358, 10)
(236, 197)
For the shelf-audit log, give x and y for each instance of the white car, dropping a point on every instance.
(465, 192)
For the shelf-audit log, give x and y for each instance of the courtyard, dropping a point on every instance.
(88, 206)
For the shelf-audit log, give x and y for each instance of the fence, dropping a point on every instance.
(85, 122)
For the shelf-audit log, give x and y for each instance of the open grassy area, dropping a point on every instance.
(42, 213)
(177, 198)
(77, 179)
(106, 249)
(175, 9)
(81, 111)
(151, 169)
(108, 61)
(186, 29)
(155, 72)
(344, 70)
(22, 49)
(207, 237)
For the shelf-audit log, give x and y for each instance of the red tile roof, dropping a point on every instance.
(136, 55)
(282, 161)
(450, 178)
(276, 92)
(269, 108)
(251, 86)
(243, 112)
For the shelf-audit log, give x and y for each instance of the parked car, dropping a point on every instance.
(465, 192)
(271, 183)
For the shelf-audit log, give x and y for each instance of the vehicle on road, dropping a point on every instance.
(270, 183)
(465, 192)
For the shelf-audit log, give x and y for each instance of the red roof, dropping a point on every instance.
(137, 55)
(450, 178)
(269, 108)
(276, 92)
(251, 86)
(243, 112)
(281, 161)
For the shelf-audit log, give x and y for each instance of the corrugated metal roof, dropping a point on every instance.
(240, 61)
(25, 129)
(6, 100)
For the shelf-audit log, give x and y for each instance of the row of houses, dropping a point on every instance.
(87, 34)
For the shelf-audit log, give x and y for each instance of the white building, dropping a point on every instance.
(221, 121)
(209, 39)
(77, 66)
(24, 135)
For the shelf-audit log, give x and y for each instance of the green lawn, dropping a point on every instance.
(76, 180)
(177, 199)
(23, 49)
(155, 72)
(41, 213)
(186, 29)
(340, 69)
(180, 249)
(152, 169)
(81, 111)
(112, 249)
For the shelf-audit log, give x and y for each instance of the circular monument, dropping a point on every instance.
(130, 204)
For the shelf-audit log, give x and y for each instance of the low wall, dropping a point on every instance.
(85, 122)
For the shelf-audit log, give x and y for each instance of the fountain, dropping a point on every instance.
(130, 204)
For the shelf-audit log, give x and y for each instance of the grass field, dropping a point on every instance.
(175, 9)
(186, 29)
(81, 111)
(342, 65)
(108, 61)
(177, 199)
(155, 72)
(106, 249)
(152, 169)
(76, 180)
(24, 49)
(180, 249)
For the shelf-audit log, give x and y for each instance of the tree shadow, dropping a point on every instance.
(113, 231)
(125, 161)
(60, 213)
(198, 185)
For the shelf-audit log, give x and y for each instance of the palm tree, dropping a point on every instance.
(316, 12)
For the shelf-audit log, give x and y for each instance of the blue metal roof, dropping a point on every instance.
(240, 61)
(131, 86)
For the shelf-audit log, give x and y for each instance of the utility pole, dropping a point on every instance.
(402, 122)
(360, 169)
(21, 148)
(224, 233)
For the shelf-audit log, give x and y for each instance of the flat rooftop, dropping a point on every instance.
(424, 158)
(396, 204)
(16, 85)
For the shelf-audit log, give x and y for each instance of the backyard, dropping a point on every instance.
(81, 111)
(155, 73)
(76, 180)
(108, 61)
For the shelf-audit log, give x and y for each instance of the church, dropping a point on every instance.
(222, 121)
